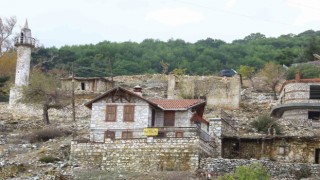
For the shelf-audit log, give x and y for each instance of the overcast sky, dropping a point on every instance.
(73, 22)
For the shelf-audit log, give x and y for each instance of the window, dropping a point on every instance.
(111, 113)
(128, 113)
(314, 92)
(109, 134)
(179, 134)
(317, 156)
(314, 115)
(281, 150)
(169, 117)
(83, 86)
(127, 135)
(21, 37)
(161, 134)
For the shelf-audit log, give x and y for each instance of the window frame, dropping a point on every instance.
(124, 135)
(114, 119)
(128, 117)
(314, 92)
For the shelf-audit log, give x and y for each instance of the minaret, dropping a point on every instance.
(24, 43)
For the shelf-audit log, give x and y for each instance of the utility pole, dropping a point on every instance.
(110, 70)
(73, 98)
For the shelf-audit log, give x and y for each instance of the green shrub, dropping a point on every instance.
(306, 71)
(251, 172)
(48, 159)
(264, 122)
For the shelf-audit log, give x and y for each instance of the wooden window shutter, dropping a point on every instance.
(128, 113)
(111, 113)
(127, 135)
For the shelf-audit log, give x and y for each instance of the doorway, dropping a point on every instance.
(317, 156)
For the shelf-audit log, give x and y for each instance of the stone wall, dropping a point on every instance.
(98, 124)
(276, 170)
(91, 85)
(215, 131)
(297, 93)
(22, 73)
(180, 154)
(281, 149)
(218, 91)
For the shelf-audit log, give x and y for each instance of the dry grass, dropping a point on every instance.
(45, 134)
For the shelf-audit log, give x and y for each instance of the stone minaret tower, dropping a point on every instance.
(24, 43)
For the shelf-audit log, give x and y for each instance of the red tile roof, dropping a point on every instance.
(177, 104)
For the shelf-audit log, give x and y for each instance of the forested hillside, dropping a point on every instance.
(204, 57)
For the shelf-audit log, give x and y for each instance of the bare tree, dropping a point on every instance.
(272, 75)
(43, 90)
(6, 30)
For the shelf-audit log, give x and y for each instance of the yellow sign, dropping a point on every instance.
(150, 131)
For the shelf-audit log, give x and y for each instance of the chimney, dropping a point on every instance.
(138, 90)
(298, 77)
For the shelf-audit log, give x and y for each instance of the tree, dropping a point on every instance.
(6, 29)
(8, 64)
(43, 90)
(254, 36)
(247, 72)
(272, 75)
(306, 71)
(7, 72)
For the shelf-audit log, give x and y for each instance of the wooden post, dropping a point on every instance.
(110, 70)
(73, 98)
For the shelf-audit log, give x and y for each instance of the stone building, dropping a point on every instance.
(217, 91)
(299, 102)
(120, 113)
(24, 43)
(128, 131)
(298, 110)
(87, 85)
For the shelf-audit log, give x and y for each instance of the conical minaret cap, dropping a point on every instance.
(26, 26)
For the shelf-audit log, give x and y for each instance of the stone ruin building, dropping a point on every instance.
(87, 85)
(217, 91)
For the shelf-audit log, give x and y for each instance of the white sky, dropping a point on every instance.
(72, 22)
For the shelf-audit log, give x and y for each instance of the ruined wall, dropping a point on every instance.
(301, 150)
(218, 91)
(275, 169)
(180, 154)
(90, 85)
(225, 93)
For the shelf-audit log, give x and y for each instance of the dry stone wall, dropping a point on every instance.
(279, 170)
(180, 154)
